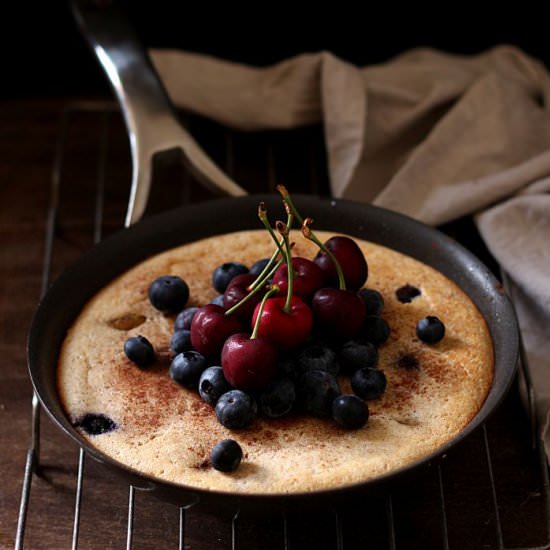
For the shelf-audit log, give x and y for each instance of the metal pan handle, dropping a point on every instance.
(150, 117)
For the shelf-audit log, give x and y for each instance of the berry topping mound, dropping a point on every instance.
(302, 380)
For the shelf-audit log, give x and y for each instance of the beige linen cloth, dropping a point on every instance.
(428, 134)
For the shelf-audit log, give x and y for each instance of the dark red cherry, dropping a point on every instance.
(210, 328)
(308, 278)
(339, 314)
(236, 290)
(248, 363)
(351, 259)
(285, 330)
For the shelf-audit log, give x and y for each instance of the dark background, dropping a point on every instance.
(43, 55)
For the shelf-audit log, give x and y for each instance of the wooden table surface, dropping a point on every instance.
(456, 504)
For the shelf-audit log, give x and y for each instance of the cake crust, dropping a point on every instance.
(167, 431)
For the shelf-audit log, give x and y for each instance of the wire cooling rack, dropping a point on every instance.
(492, 492)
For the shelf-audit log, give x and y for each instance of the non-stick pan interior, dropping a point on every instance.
(121, 251)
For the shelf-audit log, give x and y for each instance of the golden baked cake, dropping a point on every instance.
(167, 431)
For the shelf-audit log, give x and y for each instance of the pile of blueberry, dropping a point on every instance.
(278, 336)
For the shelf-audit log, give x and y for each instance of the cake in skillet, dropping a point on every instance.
(164, 430)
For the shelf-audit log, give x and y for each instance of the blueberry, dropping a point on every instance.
(169, 294)
(286, 366)
(368, 383)
(350, 412)
(184, 318)
(317, 357)
(226, 455)
(374, 303)
(277, 398)
(95, 424)
(212, 385)
(258, 267)
(180, 341)
(236, 409)
(223, 274)
(316, 390)
(430, 329)
(218, 300)
(356, 355)
(186, 368)
(407, 293)
(140, 351)
(375, 330)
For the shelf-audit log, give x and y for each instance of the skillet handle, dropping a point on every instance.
(150, 117)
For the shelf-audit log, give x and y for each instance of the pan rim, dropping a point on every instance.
(391, 219)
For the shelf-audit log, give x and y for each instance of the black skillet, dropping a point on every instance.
(121, 251)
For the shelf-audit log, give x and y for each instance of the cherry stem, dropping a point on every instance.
(262, 214)
(265, 270)
(284, 230)
(288, 203)
(257, 289)
(272, 290)
(308, 234)
(269, 270)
